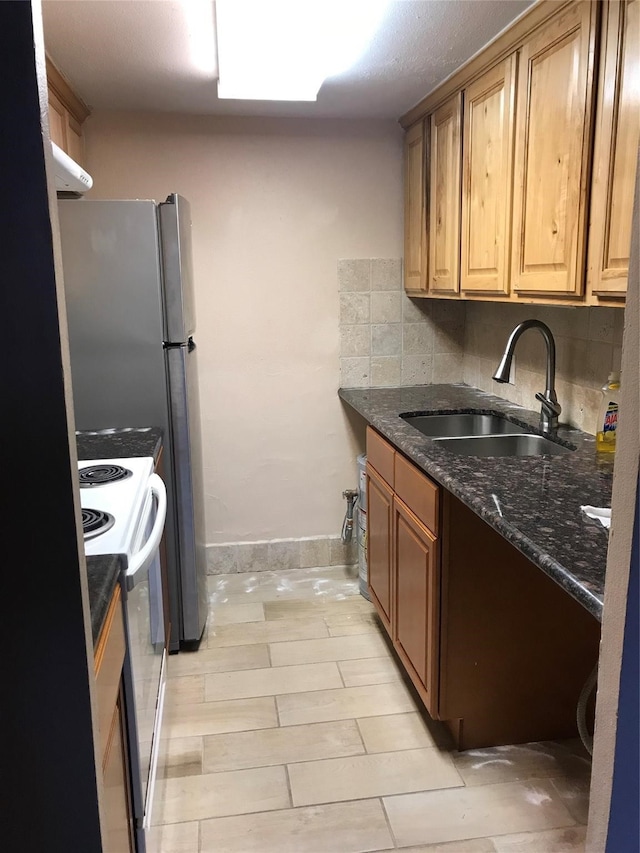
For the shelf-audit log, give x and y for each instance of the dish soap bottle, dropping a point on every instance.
(608, 415)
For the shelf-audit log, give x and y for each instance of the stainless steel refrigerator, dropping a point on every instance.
(128, 283)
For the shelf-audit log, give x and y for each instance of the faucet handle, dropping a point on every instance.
(551, 406)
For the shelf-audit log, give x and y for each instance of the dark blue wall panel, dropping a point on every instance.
(624, 825)
(49, 800)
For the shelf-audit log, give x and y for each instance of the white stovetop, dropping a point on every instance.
(124, 500)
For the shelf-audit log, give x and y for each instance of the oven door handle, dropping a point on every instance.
(140, 561)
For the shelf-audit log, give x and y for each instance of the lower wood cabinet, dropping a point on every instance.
(494, 647)
(416, 574)
(379, 533)
(403, 562)
(108, 663)
(116, 786)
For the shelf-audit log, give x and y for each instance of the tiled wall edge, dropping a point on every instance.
(277, 554)
(388, 339)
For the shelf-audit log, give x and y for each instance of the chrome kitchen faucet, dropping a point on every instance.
(550, 407)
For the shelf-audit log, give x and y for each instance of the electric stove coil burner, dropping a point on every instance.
(95, 522)
(100, 475)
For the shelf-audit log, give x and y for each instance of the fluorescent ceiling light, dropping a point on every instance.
(202, 35)
(283, 50)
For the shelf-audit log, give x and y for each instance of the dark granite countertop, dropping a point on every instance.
(103, 571)
(119, 443)
(534, 501)
(102, 576)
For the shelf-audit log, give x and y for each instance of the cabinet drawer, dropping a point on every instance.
(109, 659)
(418, 492)
(381, 455)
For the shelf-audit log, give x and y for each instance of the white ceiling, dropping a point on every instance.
(136, 55)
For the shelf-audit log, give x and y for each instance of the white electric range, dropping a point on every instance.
(112, 496)
(124, 507)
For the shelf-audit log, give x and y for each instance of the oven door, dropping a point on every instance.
(145, 662)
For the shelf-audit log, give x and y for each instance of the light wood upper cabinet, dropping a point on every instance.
(444, 208)
(75, 139)
(553, 128)
(415, 234)
(57, 121)
(616, 150)
(489, 105)
(67, 112)
(523, 201)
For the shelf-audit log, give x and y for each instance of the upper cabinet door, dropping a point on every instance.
(415, 233)
(57, 121)
(75, 140)
(67, 112)
(444, 207)
(487, 180)
(553, 128)
(616, 150)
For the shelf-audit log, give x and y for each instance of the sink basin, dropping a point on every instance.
(466, 424)
(503, 445)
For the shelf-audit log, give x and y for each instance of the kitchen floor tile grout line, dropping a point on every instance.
(361, 736)
(346, 755)
(291, 808)
(289, 789)
(380, 798)
(388, 822)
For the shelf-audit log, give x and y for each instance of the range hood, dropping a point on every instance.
(70, 177)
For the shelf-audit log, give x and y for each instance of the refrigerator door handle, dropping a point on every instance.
(186, 461)
(191, 345)
(174, 216)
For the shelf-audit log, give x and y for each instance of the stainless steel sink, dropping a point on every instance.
(503, 445)
(465, 424)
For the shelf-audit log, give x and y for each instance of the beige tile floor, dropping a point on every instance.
(293, 731)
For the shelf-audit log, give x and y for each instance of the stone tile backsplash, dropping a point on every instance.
(388, 339)
(588, 344)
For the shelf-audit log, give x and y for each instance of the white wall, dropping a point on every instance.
(275, 204)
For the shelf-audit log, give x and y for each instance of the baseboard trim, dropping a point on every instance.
(278, 554)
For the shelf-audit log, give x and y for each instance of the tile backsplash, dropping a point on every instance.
(388, 339)
(588, 345)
